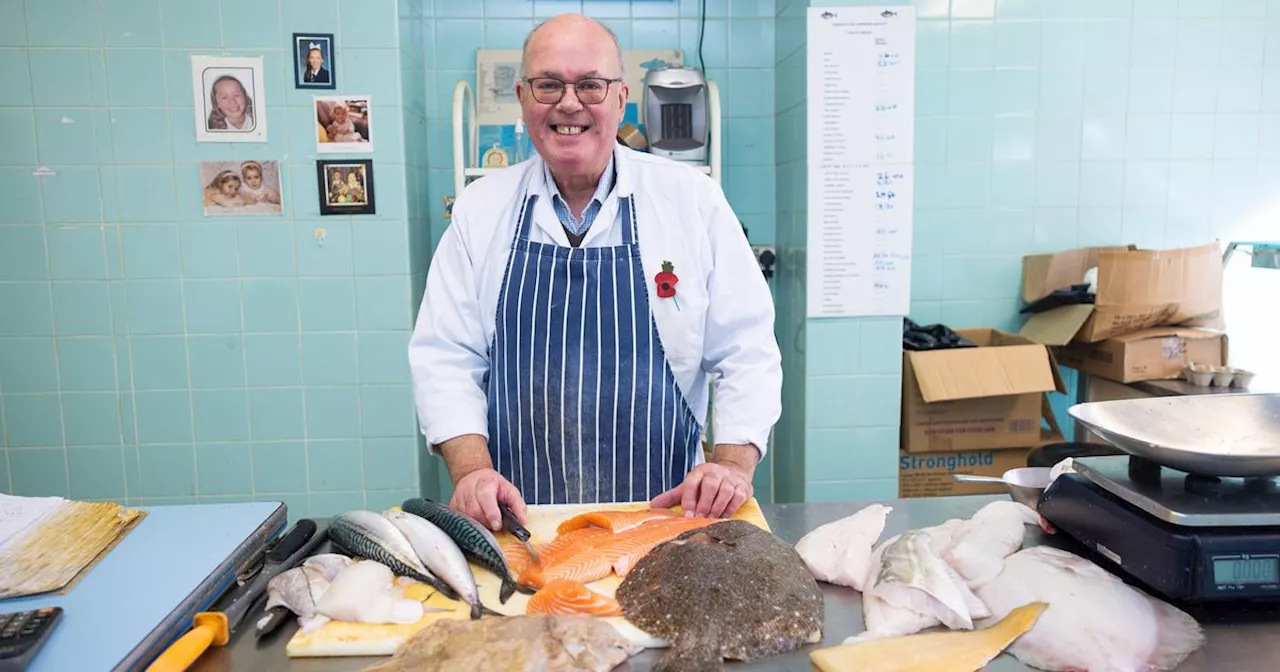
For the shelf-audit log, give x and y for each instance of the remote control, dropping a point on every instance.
(22, 634)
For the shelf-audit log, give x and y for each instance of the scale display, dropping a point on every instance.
(1246, 570)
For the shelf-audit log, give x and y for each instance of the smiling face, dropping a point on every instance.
(230, 99)
(315, 59)
(575, 139)
(339, 114)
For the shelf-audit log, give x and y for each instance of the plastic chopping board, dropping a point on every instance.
(142, 594)
(364, 639)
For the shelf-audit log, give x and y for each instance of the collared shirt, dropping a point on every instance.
(717, 332)
(577, 229)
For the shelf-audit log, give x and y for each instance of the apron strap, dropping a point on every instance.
(627, 206)
(526, 218)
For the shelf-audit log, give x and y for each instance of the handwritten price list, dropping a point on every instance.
(861, 120)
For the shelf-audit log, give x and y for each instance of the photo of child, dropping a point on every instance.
(229, 99)
(346, 187)
(343, 124)
(241, 188)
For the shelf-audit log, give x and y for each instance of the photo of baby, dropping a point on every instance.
(343, 125)
(346, 187)
(241, 188)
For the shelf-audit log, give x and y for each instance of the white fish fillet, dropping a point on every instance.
(329, 564)
(980, 545)
(365, 593)
(839, 552)
(1094, 621)
(910, 588)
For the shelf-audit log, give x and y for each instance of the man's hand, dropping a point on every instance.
(478, 493)
(715, 489)
(477, 487)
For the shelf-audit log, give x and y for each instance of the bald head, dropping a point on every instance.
(570, 27)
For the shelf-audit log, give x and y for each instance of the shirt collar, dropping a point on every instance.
(607, 179)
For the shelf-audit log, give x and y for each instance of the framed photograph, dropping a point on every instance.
(241, 188)
(343, 125)
(346, 186)
(230, 99)
(314, 66)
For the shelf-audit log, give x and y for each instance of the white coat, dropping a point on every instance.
(723, 327)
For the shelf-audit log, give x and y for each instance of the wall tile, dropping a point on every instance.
(27, 311)
(131, 23)
(71, 195)
(22, 253)
(279, 467)
(276, 414)
(131, 77)
(335, 465)
(332, 412)
(95, 473)
(327, 305)
(13, 33)
(193, 25)
(212, 306)
(60, 77)
(76, 253)
(33, 420)
(167, 470)
(65, 136)
(154, 204)
(216, 361)
(15, 78)
(91, 418)
(163, 417)
(38, 473)
(85, 364)
(329, 359)
(28, 365)
(220, 415)
(273, 360)
(224, 468)
(387, 411)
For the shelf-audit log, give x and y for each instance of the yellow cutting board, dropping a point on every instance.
(338, 638)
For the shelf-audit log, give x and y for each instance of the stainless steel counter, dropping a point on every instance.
(1251, 647)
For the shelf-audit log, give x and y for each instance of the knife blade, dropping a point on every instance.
(516, 529)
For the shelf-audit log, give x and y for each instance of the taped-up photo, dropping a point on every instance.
(241, 188)
(343, 125)
(313, 62)
(346, 187)
(230, 99)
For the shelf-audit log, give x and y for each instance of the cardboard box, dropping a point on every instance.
(1150, 354)
(1136, 289)
(930, 474)
(977, 398)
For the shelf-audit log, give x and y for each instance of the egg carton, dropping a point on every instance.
(1206, 375)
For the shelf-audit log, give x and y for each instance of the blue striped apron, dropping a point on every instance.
(583, 406)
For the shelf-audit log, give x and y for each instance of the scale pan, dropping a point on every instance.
(1209, 435)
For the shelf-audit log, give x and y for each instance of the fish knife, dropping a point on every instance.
(516, 529)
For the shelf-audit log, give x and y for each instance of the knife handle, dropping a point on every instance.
(292, 541)
(210, 629)
(513, 526)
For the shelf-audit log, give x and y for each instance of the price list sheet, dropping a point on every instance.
(861, 89)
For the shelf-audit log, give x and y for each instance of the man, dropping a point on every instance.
(576, 306)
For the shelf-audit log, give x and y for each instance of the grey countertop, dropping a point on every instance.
(1241, 647)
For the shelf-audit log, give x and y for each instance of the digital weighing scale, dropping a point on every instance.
(1192, 510)
(1189, 538)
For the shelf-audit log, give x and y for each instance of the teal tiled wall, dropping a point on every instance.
(1040, 125)
(150, 354)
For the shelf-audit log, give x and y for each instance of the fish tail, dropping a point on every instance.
(508, 589)
(487, 611)
(476, 610)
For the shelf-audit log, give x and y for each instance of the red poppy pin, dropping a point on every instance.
(666, 281)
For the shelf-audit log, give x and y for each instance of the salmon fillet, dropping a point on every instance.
(519, 561)
(593, 558)
(563, 596)
(615, 521)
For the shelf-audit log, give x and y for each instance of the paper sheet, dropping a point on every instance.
(861, 90)
(19, 514)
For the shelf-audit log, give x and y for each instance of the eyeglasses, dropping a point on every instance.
(549, 90)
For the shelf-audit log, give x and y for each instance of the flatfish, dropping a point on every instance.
(730, 590)
(534, 643)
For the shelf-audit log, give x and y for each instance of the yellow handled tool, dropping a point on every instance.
(211, 628)
(214, 628)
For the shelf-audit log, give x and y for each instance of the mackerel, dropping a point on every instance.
(440, 555)
(473, 539)
(370, 536)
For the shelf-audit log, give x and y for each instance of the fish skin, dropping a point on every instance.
(473, 539)
(440, 555)
(370, 536)
(730, 590)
